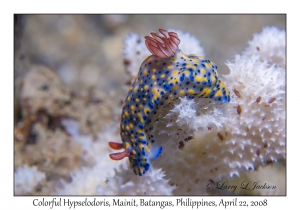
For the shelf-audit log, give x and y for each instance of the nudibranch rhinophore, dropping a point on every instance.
(162, 78)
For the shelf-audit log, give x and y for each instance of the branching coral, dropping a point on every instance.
(135, 50)
(269, 45)
(26, 179)
(254, 133)
(123, 183)
(97, 163)
(94, 175)
(250, 133)
(41, 138)
(203, 141)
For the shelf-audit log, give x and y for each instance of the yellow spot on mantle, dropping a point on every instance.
(175, 80)
(219, 93)
(206, 91)
(142, 120)
(222, 84)
(126, 113)
(213, 78)
(203, 71)
(200, 79)
(175, 87)
(148, 59)
(208, 65)
(191, 91)
(146, 110)
(147, 149)
(181, 93)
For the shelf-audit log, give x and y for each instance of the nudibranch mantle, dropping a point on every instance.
(160, 81)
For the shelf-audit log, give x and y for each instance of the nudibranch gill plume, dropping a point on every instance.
(163, 77)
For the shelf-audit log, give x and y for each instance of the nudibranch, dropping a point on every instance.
(163, 77)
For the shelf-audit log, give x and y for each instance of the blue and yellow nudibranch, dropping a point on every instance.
(162, 78)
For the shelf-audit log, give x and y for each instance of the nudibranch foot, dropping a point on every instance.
(155, 153)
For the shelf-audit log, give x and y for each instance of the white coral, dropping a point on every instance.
(84, 181)
(241, 141)
(98, 164)
(198, 113)
(101, 179)
(269, 45)
(135, 50)
(266, 175)
(189, 44)
(251, 132)
(125, 183)
(134, 53)
(261, 123)
(203, 140)
(26, 179)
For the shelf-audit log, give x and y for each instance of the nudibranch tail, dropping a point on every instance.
(162, 46)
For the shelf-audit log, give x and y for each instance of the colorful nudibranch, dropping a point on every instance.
(162, 78)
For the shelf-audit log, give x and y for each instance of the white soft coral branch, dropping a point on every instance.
(204, 141)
